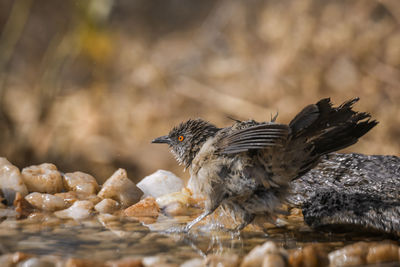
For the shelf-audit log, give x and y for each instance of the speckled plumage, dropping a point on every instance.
(247, 167)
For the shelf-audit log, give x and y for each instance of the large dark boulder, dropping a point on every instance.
(351, 192)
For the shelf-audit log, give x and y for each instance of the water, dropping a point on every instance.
(110, 237)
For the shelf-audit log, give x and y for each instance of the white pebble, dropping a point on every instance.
(80, 210)
(45, 202)
(160, 183)
(11, 180)
(80, 182)
(43, 178)
(121, 189)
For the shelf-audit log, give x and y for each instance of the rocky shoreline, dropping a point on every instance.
(41, 197)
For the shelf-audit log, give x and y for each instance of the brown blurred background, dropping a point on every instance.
(88, 84)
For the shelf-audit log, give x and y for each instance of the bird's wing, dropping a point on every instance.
(256, 137)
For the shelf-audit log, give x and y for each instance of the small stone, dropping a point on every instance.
(43, 178)
(160, 183)
(22, 207)
(227, 260)
(82, 263)
(11, 180)
(121, 189)
(197, 262)
(80, 210)
(107, 205)
(35, 262)
(145, 208)
(156, 261)
(268, 251)
(45, 202)
(351, 255)
(383, 253)
(310, 255)
(12, 259)
(69, 197)
(125, 262)
(80, 182)
(273, 260)
(176, 203)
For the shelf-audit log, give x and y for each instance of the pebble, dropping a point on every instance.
(196, 262)
(22, 207)
(383, 253)
(125, 262)
(80, 182)
(71, 262)
(176, 203)
(11, 180)
(265, 255)
(107, 205)
(35, 262)
(121, 189)
(351, 255)
(45, 202)
(80, 210)
(13, 258)
(227, 260)
(43, 178)
(160, 183)
(311, 255)
(68, 197)
(145, 208)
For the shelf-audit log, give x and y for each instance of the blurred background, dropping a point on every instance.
(87, 85)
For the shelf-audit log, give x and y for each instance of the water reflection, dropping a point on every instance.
(105, 238)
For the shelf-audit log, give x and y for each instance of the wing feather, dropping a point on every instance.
(256, 137)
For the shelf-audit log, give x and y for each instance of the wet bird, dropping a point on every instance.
(246, 168)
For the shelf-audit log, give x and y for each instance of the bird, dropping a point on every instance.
(246, 168)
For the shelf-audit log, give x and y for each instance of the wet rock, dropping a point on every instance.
(121, 189)
(380, 253)
(11, 180)
(156, 261)
(351, 192)
(125, 262)
(193, 263)
(45, 202)
(71, 196)
(81, 182)
(13, 258)
(176, 203)
(80, 210)
(22, 207)
(265, 255)
(71, 262)
(351, 255)
(227, 260)
(68, 197)
(107, 205)
(314, 255)
(43, 178)
(160, 183)
(36, 262)
(146, 210)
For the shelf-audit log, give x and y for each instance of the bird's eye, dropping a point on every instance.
(180, 138)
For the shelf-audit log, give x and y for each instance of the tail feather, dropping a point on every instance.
(321, 128)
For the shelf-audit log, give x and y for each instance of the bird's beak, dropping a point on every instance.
(162, 140)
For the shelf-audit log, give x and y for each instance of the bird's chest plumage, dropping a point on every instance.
(213, 173)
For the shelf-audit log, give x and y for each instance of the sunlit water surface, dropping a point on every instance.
(104, 239)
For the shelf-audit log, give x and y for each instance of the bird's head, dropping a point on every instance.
(186, 139)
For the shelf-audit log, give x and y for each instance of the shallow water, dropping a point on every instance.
(106, 238)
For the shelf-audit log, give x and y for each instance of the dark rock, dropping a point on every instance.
(348, 191)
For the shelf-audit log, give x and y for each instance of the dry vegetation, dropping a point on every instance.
(87, 84)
